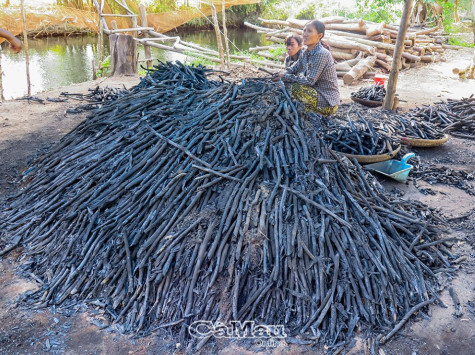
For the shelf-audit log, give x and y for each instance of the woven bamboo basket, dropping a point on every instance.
(369, 103)
(424, 143)
(366, 159)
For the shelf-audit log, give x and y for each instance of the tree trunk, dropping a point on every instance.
(25, 48)
(2, 98)
(123, 51)
(456, 11)
(383, 64)
(374, 29)
(338, 55)
(144, 23)
(354, 27)
(473, 20)
(359, 70)
(100, 37)
(338, 42)
(225, 33)
(393, 77)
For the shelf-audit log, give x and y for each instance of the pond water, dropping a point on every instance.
(60, 61)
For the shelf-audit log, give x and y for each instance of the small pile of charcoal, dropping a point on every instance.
(373, 93)
(351, 132)
(386, 122)
(166, 74)
(406, 126)
(434, 174)
(456, 117)
(95, 98)
(188, 200)
(98, 95)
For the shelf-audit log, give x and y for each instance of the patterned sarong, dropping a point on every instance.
(309, 97)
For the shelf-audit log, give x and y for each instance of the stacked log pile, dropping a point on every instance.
(363, 44)
(190, 200)
(177, 45)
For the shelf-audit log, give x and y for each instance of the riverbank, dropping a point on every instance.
(61, 61)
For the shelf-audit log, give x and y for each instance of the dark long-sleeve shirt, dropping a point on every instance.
(316, 69)
(289, 61)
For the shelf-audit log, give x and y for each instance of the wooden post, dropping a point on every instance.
(225, 32)
(2, 98)
(144, 23)
(100, 38)
(25, 47)
(114, 24)
(456, 11)
(218, 35)
(123, 50)
(393, 77)
(473, 20)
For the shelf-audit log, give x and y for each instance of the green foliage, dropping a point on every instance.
(77, 4)
(253, 55)
(162, 6)
(455, 41)
(235, 17)
(104, 67)
(196, 60)
(378, 10)
(447, 14)
(142, 71)
(307, 12)
(277, 53)
(276, 9)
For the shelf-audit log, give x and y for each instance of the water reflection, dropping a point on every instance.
(61, 61)
(54, 62)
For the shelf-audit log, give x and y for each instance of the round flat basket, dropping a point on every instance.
(369, 103)
(366, 159)
(427, 143)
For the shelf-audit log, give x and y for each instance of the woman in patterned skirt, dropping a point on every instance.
(313, 77)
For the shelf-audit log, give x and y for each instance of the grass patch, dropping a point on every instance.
(455, 41)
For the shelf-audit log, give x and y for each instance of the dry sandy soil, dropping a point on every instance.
(29, 128)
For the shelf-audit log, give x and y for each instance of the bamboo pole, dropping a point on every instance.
(101, 34)
(2, 98)
(25, 46)
(473, 22)
(393, 77)
(144, 23)
(225, 32)
(218, 35)
(273, 22)
(118, 15)
(190, 53)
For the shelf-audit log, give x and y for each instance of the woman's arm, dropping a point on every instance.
(316, 65)
(15, 43)
(296, 68)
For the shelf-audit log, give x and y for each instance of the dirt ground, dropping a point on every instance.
(27, 128)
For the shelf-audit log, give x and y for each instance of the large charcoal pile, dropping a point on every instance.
(191, 200)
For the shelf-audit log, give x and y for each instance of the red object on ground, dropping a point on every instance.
(379, 79)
